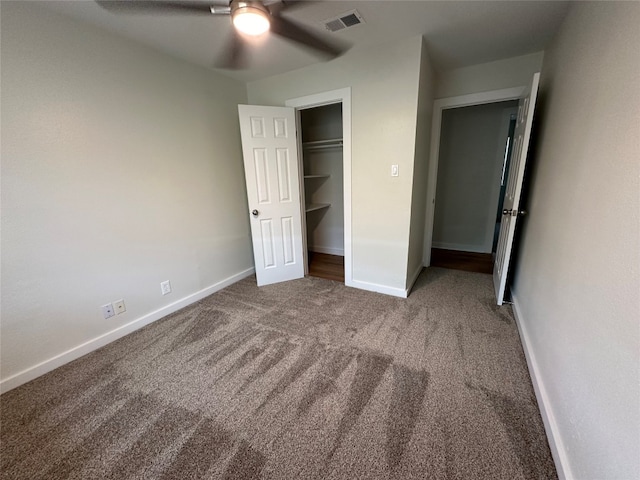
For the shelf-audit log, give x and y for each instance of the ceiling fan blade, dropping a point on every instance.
(277, 6)
(234, 56)
(159, 6)
(286, 28)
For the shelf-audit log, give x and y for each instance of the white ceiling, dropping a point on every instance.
(458, 33)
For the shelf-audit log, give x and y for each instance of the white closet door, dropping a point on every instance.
(270, 153)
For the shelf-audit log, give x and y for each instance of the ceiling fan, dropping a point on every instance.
(250, 18)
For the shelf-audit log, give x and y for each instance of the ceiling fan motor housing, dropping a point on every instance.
(250, 17)
(241, 6)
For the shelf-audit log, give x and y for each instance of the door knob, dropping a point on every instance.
(254, 213)
(513, 213)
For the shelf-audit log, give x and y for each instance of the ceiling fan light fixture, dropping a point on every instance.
(250, 18)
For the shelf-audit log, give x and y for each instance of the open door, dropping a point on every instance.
(511, 212)
(270, 152)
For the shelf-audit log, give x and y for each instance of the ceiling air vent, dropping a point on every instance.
(343, 21)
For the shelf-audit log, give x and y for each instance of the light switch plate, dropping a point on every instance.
(394, 170)
(165, 287)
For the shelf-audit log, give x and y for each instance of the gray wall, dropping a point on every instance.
(321, 123)
(505, 73)
(384, 104)
(420, 169)
(121, 168)
(577, 283)
(472, 143)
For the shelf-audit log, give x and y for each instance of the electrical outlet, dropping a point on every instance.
(107, 311)
(165, 287)
(119, 307)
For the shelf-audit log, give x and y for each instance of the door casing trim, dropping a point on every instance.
(342, 95)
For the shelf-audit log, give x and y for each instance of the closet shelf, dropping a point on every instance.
(316, 206)
(318, 144)
(323, 175)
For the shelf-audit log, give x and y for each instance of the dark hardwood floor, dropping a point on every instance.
(326, 266)
(468, 261)
(331, 267)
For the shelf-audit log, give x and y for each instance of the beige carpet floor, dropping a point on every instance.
(308, 379)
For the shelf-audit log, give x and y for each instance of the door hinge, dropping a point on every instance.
(514, 213)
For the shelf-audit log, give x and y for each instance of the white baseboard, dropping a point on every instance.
(327, 250)
(106, 338)
(374, 287)
(556, 445)
(413, 278)
(460, 247)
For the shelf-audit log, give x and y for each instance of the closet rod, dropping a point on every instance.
(322, 147)
(329, 143)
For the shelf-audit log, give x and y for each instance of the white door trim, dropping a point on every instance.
(438, 106)
(343, 96)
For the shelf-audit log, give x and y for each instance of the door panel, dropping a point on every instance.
(280, 127)
(284, 179)
(267, 241)
(262, 175)
(288, 241)
(511, 203)
(270, 154)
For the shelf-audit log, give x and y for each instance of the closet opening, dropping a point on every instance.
(321, 133)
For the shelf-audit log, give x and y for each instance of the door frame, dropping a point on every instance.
(439, 106)
(343, 96)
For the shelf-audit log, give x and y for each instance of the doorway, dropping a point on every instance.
(526, 96)
(322, 190)
(440, 106)
(324, 123)
(472, 171)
